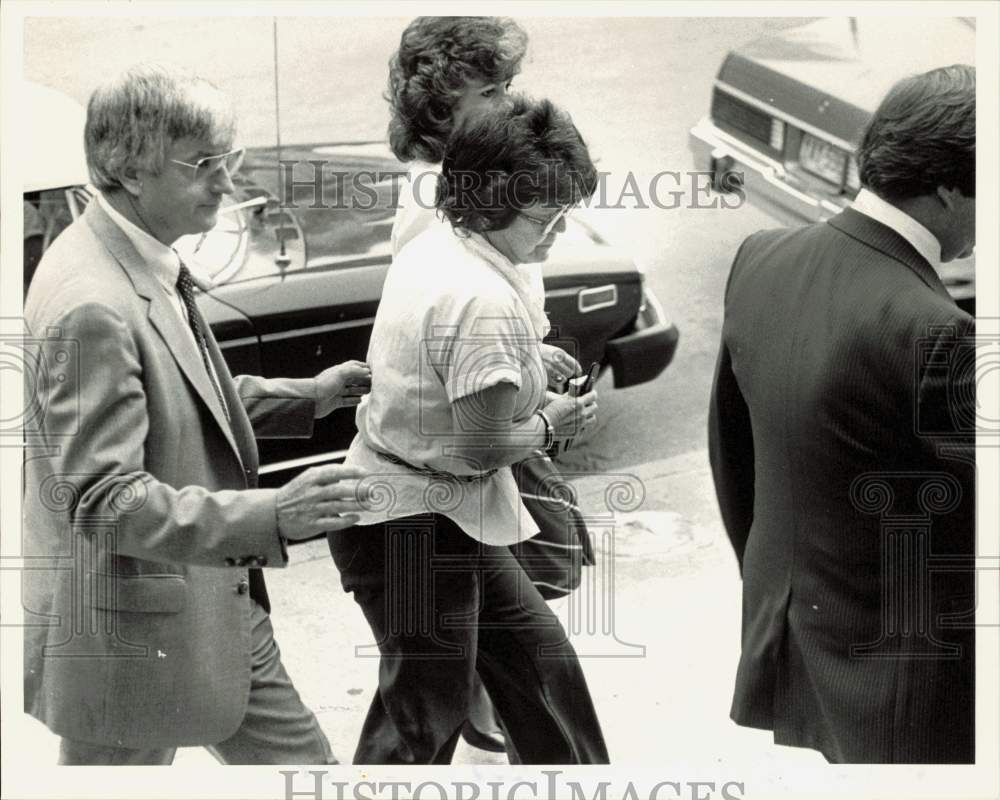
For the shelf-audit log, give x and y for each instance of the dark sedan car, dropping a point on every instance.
(788, 110)
(296, 267)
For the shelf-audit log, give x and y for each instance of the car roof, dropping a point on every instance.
(54, 155)
(851, 62)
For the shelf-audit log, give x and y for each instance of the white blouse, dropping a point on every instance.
(415, 211)
(453, 321)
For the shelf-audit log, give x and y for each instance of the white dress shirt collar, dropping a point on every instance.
(165, 264)
(162, 260)
(923, 241)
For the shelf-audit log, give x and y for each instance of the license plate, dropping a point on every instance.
(822, 159)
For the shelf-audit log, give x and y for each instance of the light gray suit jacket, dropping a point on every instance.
(141, 515)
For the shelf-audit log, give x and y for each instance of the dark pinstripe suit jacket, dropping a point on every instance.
(840, 440)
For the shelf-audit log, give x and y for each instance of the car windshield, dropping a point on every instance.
(47, 214)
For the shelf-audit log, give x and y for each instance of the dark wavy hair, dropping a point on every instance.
(437, 57)
(506, 159)
(923, 135)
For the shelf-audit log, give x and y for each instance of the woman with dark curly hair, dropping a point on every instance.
(458, 395)
(446, 69)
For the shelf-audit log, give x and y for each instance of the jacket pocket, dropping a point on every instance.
(155, 594)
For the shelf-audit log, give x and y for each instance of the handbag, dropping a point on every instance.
(554, 559)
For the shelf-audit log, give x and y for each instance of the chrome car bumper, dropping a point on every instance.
(766, 182)
(640, 356)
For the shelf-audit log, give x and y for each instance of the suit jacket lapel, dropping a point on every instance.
(239, 422)
(163, 318)
(884, 239)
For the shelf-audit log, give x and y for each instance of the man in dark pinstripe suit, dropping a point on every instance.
(841, 435)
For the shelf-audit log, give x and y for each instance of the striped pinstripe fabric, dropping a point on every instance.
(841, 441)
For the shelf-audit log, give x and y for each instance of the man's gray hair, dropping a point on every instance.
(133, 118)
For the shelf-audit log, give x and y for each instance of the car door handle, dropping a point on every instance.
(597, 297)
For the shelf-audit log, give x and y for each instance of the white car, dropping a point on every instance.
(788, 112)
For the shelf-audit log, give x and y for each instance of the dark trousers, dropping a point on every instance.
(444, 607)
(276, 729)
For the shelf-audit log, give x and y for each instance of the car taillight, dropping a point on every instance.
(853, 180)
(730, 112)
(777, 135)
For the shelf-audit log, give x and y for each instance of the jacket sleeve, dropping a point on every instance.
(946, 408)
(730, 448)
(730, 451)
(947, 412)
(278, 408)
(97, 418)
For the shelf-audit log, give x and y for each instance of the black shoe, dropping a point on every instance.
(490, 742)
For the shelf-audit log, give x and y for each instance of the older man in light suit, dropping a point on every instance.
(147, 618)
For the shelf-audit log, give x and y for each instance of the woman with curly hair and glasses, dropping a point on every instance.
(458, 395)
(446, 70)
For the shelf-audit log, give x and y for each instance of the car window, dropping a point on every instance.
(47, 214)
(55, 213)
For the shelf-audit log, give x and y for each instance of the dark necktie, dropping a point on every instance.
(185, 285)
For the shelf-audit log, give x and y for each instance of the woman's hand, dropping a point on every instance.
(559, 365)
(341, 386)
(570, 416)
